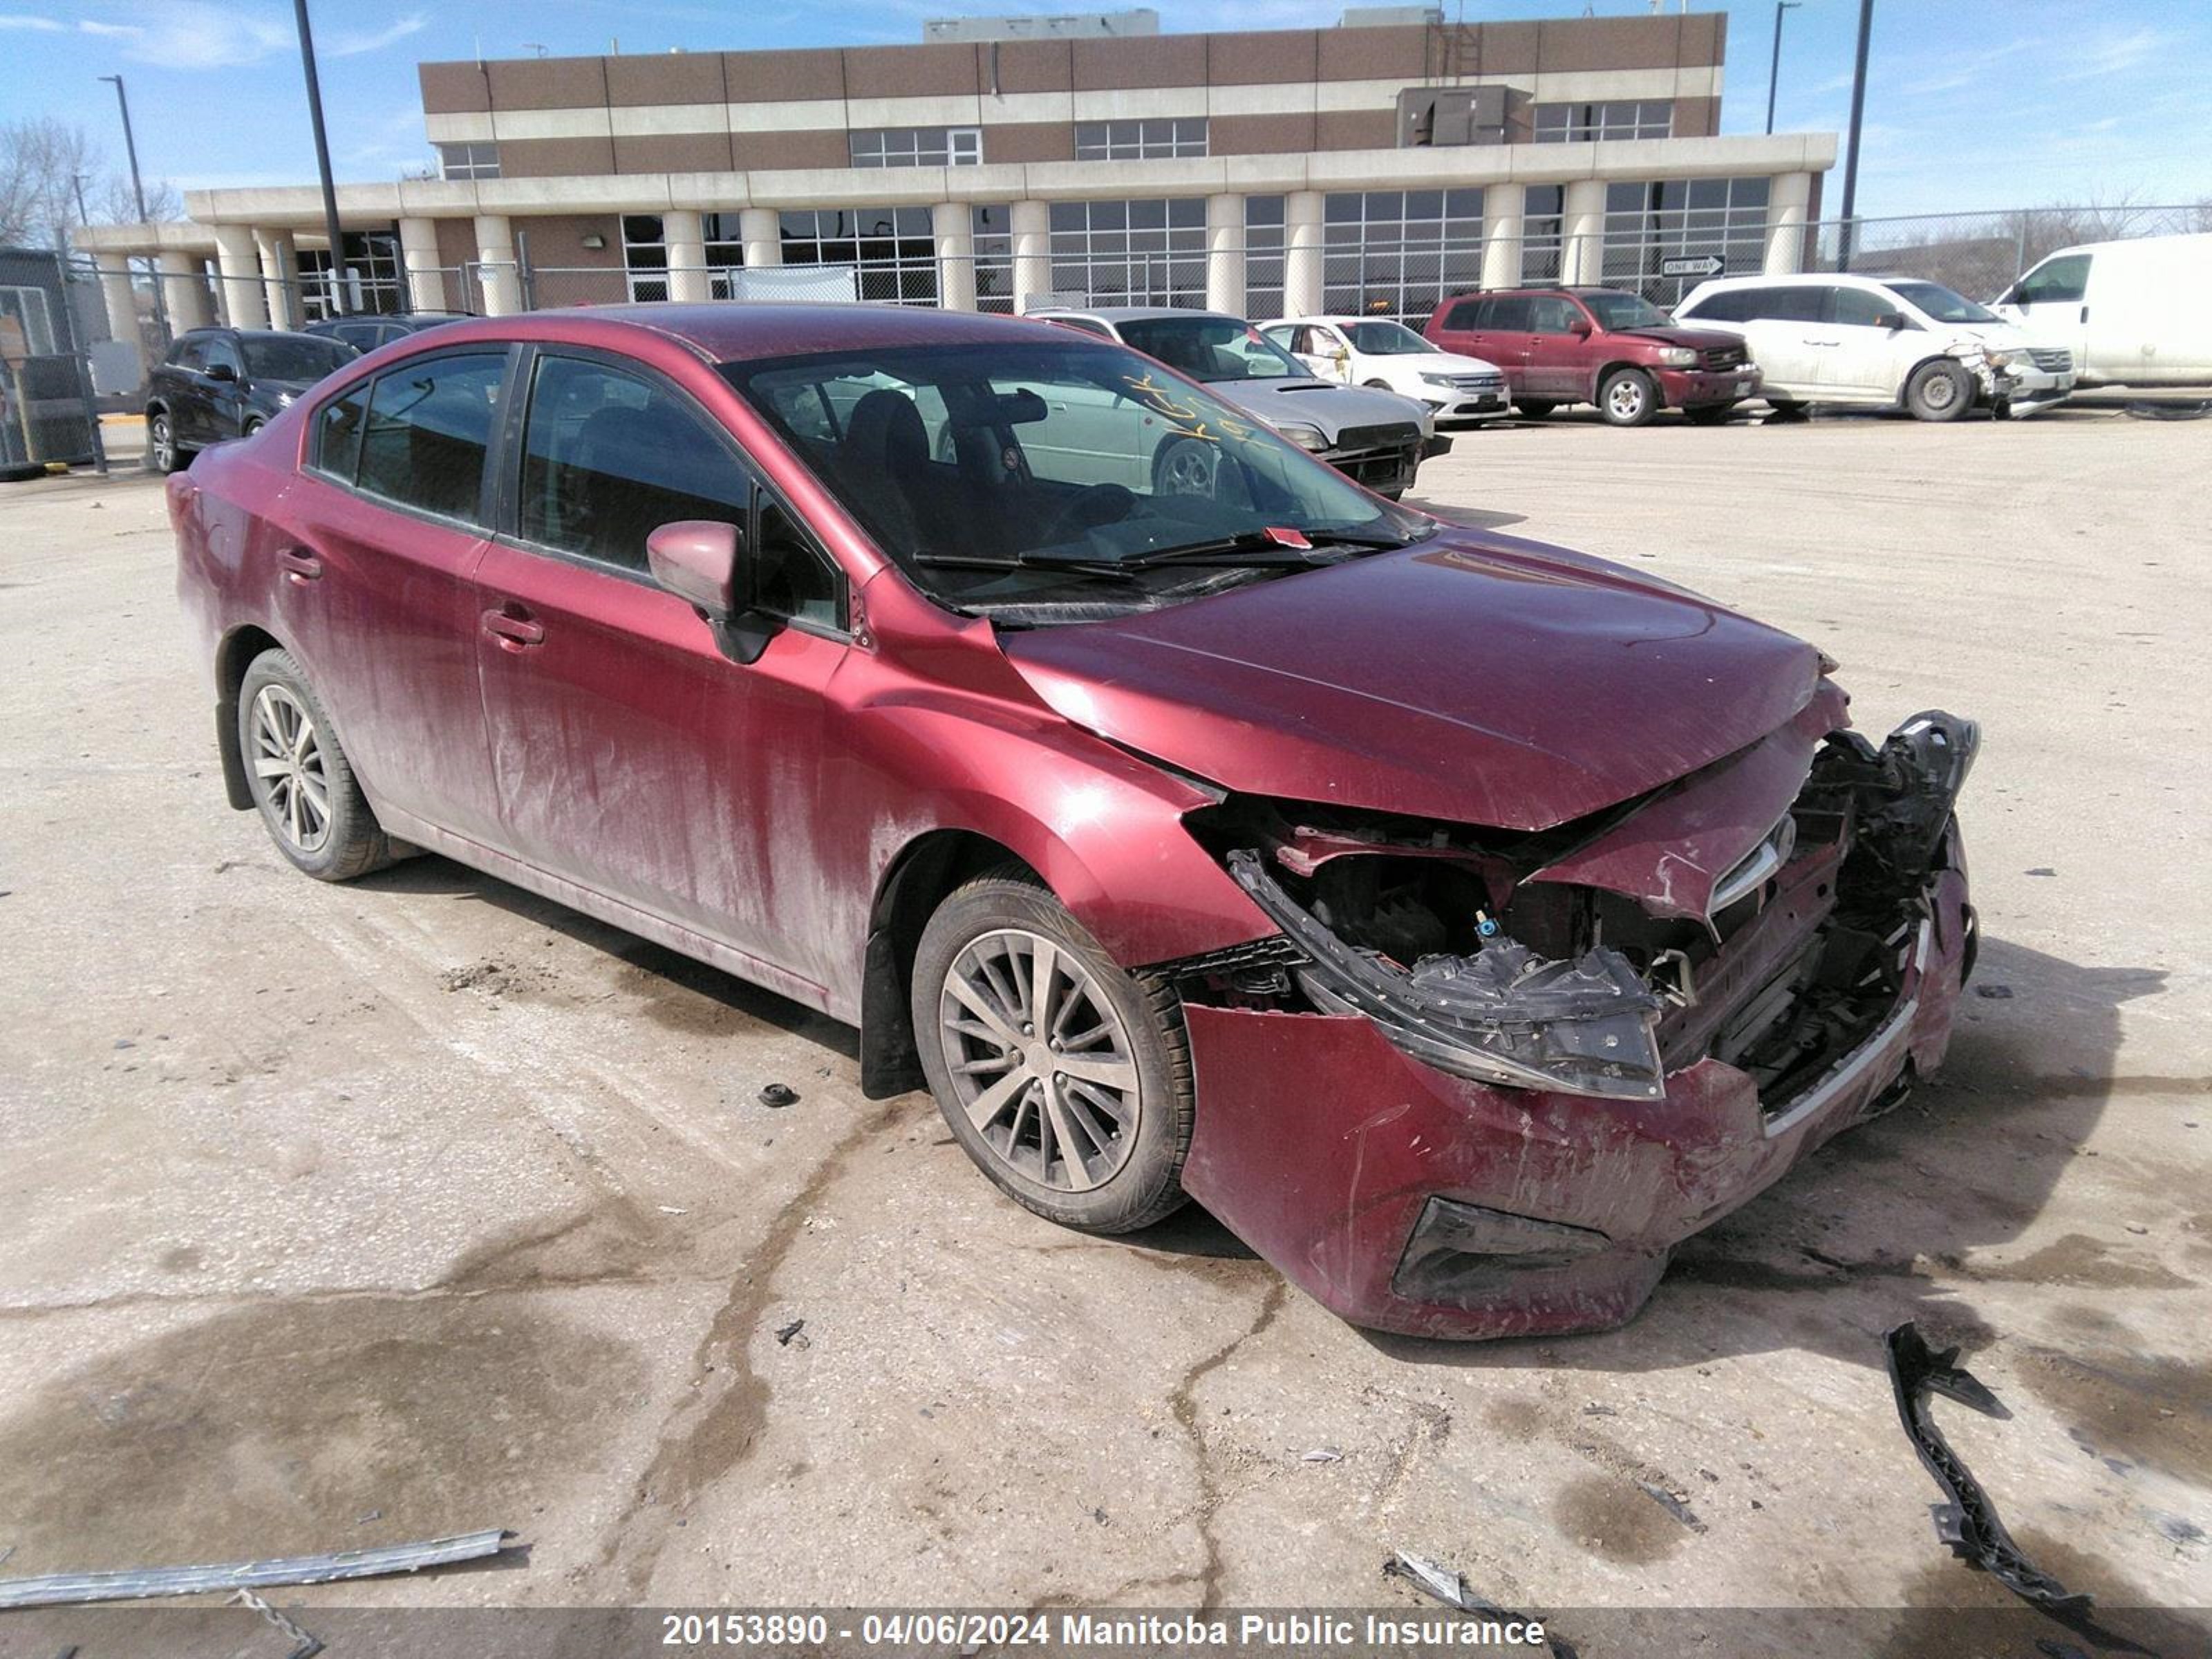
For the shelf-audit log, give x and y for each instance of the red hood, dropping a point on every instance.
(1699, 339)
(1476, 679)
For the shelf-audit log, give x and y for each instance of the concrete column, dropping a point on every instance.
(122, 300)
(1505, 227)
(418, 256)
(761, 230)
(956, 255)
(683, 234)
(1302, 284)
(502, 276)
(244, 304)
(1031, 223)
(1224, 254)
(184, 290)
(1787, 199)
(1582, 232)
(280, 276)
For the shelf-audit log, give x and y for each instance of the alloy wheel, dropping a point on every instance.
(1623, 399)
(1042, 1064)
(1188, 469)
(287, 766)
(164, 444)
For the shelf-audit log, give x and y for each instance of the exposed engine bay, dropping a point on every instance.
(1594, 958)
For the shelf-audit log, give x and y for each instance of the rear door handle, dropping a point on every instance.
(512, 628)
(300, 568)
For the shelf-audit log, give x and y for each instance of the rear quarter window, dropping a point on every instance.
(335, 451)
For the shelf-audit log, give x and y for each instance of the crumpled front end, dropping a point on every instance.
(1480, 1083)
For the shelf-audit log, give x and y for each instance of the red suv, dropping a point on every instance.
(1598, 345)
(1463, 921)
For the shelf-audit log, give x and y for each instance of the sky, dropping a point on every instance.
(1972, 104)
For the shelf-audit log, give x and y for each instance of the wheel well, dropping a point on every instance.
(925, 872)
(1597, 383)
(156, 406)
(231, 658)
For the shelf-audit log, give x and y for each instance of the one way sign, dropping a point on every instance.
(1705, 264)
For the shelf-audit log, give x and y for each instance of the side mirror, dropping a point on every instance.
(1892, 320)
(221, 372)
(696, 559)
(1579, 328)
(703, 562)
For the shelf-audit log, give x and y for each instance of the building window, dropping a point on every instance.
(992, 229)
(645, 255)
(1150, 140)
(918, 147)
(1560, 124)
(468, 161)
(1263, 256)
(1141, 253)
(371, 268)
(1543, 221)
(1397, 253)
(1645, 224)
(892, 250)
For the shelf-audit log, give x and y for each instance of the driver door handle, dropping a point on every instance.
(514, 628)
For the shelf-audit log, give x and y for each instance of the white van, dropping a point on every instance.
(2132, 312)
(1880, 342)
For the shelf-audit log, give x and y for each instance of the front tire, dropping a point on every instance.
(1941, 390)
(301, 782)
(1628, 397)
(1186, 467)
(1064, 1078)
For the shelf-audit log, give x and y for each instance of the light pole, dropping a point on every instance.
(138, 195)
(323, 160)
(1852, 156)
(1774, 70)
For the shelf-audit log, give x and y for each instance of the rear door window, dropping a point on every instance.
(1515, 313)
(1802, 303)
(429, 425)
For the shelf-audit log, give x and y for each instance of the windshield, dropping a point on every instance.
(1615, 311)
(1941, 304)
(294, 357)
(1211, 348)
(1386, 339)
(1023, 478)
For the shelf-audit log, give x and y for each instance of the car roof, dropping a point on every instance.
(1808, 278)
(1131, 313)
(726, 330)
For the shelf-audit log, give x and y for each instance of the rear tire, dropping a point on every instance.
(163, 453)
(301, 782)
(1628, 397)
(1941, 390)
(1102, 1151)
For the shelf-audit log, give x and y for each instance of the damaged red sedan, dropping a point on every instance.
(1463, 921)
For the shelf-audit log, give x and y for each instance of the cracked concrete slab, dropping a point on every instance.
(333, 1216)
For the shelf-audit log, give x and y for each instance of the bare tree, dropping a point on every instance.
(118, 203)
(40, 161)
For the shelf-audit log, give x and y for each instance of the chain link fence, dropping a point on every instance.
(1981, 254)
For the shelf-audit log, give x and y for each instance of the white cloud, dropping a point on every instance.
(202, 34)
(354, 45)
(16, 20)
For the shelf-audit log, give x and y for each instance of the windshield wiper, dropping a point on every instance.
(1245, 547)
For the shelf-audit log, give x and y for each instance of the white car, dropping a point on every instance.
(1881, 342)
(1374, 351)
(2132, 312)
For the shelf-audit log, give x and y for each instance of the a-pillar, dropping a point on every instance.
(122, 306)
(1303, 286)
(684, 239)
(761, 230)
(1030, 223)
(502, 276)
(955, 229)
(426, 276)
(1224, 254)
(1505, 228)
(244, 304)
(1789, 198)
(280, 276)
(184, 290)
(1581, 230)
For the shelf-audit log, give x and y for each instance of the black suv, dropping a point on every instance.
(366, 331)
(220, 383)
